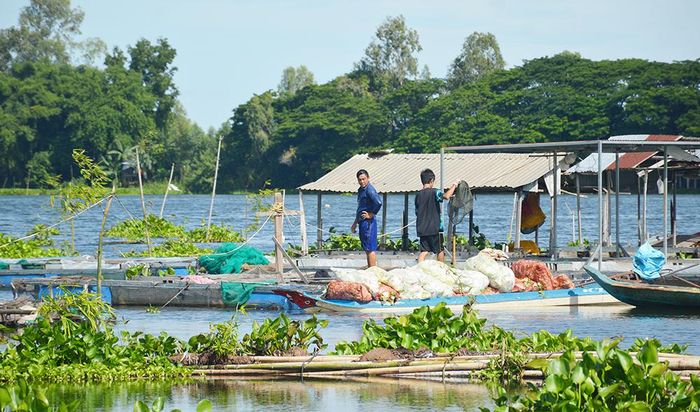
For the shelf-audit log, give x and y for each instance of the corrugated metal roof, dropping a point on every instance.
(400, 173)
(628, 160)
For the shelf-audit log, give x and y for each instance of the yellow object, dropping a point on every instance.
(528, 246)
(532, 215)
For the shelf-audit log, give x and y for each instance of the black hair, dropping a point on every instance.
(427, 176)
(362, 172)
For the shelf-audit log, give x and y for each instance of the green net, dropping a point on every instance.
(236, 294)
(229, 258)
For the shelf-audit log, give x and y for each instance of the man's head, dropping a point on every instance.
(427, 176)
(362, 178)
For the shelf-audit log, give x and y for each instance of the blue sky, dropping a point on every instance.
(229, 50)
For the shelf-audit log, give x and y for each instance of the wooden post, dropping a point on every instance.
(555, 200)
(674, 208)
(302, 226)
(279, 232)
(639, 210)
(645, 187)
(471, 227)
(167, 189)
(99, 243)
(404, 234)
(143, 203)
(518, 218)
(665, 202)
(213, 188)
(578, 210)
(383, 237)
(319, 221)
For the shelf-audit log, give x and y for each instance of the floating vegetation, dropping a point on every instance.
(133, 230)
(171, 248)
(40, 245)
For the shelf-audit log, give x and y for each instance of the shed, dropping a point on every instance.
(400, 173)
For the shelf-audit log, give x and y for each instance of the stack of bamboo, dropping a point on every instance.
(440, 366)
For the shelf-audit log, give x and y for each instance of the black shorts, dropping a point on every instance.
(432, 243)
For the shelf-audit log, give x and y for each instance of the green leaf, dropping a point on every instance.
(658, 369)
(625, 360)
(554, 384)
(204, 406)
(158, 404)
(606, 391)
(639, 406)
(558, 367)
(577, 375)
(588, 386)
(140, 406)
(648, 354)
(538, 363)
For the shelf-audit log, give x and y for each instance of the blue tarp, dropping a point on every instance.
(648, 262)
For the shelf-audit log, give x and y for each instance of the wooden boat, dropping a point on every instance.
(580, 296)
(641, 294)
(163, 291)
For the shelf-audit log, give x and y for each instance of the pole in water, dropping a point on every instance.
(143, 202)
(167, 188)
(213, 189)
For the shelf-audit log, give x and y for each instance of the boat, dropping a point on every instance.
(579, 296)
(644, 295)
(171, 291)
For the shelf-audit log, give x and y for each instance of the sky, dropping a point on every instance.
(228, 50)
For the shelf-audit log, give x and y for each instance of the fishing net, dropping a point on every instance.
(459, 206)
(236, 294)
(229, 258)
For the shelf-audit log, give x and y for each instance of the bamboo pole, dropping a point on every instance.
(302, 226)
(100, 242)
(167, 189)
(213, 188)
(143, 203)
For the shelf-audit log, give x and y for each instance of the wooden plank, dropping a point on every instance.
(291, 261)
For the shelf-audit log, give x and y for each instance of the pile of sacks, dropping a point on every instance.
(428, 279)
(532, 276)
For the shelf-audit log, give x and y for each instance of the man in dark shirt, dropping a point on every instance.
(368, 204)
(428, 216)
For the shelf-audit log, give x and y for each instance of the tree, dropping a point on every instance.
(46, 32)
(294, 80)
(480, 56)
(389, 59)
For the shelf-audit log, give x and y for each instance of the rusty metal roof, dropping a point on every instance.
(400, 173)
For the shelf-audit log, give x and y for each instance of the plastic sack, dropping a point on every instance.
(367, 278)
(500, 277)
(648, 262)
(352, 291)
(470, 281)
(437, 270)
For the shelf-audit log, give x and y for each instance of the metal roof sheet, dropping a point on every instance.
(400, 173)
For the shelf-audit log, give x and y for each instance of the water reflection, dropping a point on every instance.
(282, 395)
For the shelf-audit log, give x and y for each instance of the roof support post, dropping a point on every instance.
(639, 210)
(555, 180)
(578, 210)
(319, 220)
(302, 226)
(600, 203)
(674, 208)
(665, 201)
(617, 201)
(404, 234)
(384, 205)
(518, 217)
(645, 187)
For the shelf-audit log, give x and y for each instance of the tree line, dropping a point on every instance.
(51, 104)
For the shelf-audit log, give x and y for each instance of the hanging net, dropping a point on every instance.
(459, 206)
(229, 258)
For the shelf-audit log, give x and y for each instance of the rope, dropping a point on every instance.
(230, 252)
(314, 227)
(69, 218)
(125, 208)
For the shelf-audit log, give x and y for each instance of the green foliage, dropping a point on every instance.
(31, 248)
(221, 341)
(134, 229)
(140, 406)
(25, 397)
(217, 234)
(171, 248)
(608, 379)
(480, 56)
(279, 335)
(342, 242)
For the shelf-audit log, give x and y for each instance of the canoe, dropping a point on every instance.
(581, 296)
(646, 295)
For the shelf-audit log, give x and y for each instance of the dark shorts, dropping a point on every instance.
(432, 243)
(368, 235)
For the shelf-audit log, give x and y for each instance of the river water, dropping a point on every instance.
(492, 213)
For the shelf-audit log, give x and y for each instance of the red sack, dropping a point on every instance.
(353, 291)
(535, 271)
(387, 294)
(563, 282)
(518, 286)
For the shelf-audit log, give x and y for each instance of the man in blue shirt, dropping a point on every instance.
(368, 204)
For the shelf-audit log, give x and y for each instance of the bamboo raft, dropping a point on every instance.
(439, 367)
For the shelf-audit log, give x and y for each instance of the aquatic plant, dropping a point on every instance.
(202, 406)
(221, 341)
(217, 234)
(607, 379)
(25, 397)
(171, 248)
(281, 334)
(134, 229)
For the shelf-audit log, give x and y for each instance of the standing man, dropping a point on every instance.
(428, 216)
(368, 204)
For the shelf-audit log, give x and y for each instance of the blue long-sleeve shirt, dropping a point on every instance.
(368, 200)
